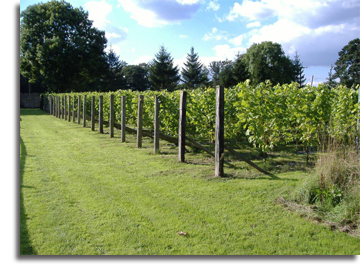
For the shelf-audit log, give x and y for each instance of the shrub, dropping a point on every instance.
(334, 185)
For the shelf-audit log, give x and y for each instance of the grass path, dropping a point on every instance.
(86, 194)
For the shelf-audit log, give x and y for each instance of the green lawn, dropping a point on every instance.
(83, 193)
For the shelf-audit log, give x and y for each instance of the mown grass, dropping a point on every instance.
(83, 193)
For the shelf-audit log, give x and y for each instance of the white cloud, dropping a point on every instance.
(183, 36)
(213, 5)
(216, 35)
(98, 12)
(157, 13)
(281, 31)
(188, 2)
(143, 59)
(251, 10)
(317, 30)
(109, 35)
(253, 24)
(224, 51)
(238, 41)
(144, 17)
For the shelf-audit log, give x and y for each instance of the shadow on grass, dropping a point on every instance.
(32, 112)
(25, 244)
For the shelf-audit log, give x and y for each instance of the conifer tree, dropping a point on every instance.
(299, 71)
(331, 79)
(194, 74)
(240, 72)
(163, 74)
(114, 79)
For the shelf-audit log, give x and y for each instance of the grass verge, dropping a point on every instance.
(82, 193)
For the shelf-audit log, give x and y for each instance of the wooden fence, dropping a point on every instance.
(61, 107)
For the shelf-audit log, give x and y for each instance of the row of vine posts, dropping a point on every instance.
(63, 107)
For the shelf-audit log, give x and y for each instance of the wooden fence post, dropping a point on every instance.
(84, 112)
(73, 109)
(53, 105)
(182, 125)
(156, 127)
(65, 107)
(92, 113)
(62, 107)
(79, 109)
(101, 119)
(123, 117)
(219, 132)
(59, 110)
(111, 116)
(69, 113)
(140, 121)
(50, 105)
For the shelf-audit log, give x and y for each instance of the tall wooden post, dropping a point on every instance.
(69, 114)
(101, 119)
(92, 113)
(140, 121)
(182, 125)
(84, 111)
(59, 110)
(123, 117)
(65, 107)
(50, 105)
(79, 109)
(53, 105)
(111, 117)
(219, 132)
(156, 127)
(73, 110)
(62, 107)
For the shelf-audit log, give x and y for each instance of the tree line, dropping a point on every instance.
(60, 51)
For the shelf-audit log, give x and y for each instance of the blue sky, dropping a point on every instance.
(217, 30)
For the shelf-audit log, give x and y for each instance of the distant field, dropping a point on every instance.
(82, 193)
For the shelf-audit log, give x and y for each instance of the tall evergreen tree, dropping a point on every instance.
(299, 71)
(222, 73)
(214, 70)
(163, 74)
(240, 72)
(114, 78)
(194, 74)
(227, 78)
(331, 79)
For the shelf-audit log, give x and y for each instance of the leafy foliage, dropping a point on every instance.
(59, 46)
(267, 61)
(347, 67)
(266, 115)
(137, 77)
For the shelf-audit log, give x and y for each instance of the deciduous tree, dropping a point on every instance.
(59, 46)
(267, 61)
(347, 67)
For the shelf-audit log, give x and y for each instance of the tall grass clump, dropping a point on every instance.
(333, 188)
